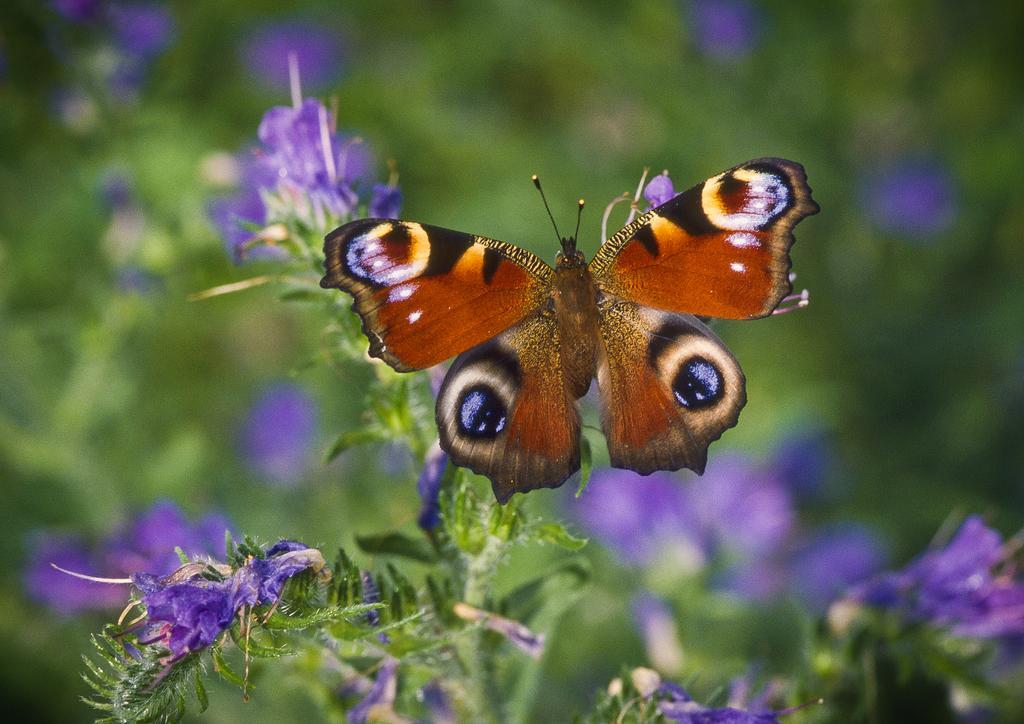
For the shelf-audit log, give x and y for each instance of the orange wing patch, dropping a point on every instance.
(719, 249)
(426, 294)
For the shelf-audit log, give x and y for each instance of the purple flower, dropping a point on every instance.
(63, 593)
(429, 486)
(915, 198)
(745, 510)
(385, 201)
(145, 544)
(659, 190)
(148, 543)
(141, 30)
(304, 171)
(517, 634)
(657, 625)
(381, 697)
(278, 434)
(725, 29)
(283, 560)
(317, 50)
(803, 461)
(833, 560)
(674, 703)
(77, 11)
(643, 517)
(186, 611)
(963, 587)
(190, 615)
(437, 703)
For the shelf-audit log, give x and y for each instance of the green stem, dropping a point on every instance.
(476, 655)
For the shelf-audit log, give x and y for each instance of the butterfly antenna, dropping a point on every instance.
(579, 213)
(536, 182)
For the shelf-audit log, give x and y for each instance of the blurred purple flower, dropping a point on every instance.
(675, 704)
(385, 201)
(141, 30)
(429, 486)
(305, 170)
(643, 517)
(916, 198)
(145, 544)
(437, 703)
(725, 29)
(659, 190)
(63, 593)
(77, 11)
(316, 48)
(381, 697)
(966, 586)
(532, 644)
(657, 626)
(832, 561)
(745, 509)
(735, 511)
(803, 461)
(148, 543)
(279, 432)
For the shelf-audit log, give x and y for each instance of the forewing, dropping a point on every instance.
(719, 249)
(425, 294)
(505, 410)
(669, 388)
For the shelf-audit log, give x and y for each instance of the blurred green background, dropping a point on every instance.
(116, 391)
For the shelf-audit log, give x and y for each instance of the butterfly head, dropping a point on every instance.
(568, 257)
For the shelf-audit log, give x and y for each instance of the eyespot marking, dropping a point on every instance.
(389, 253)
(481, 413)
(746, 199)
(698, 384)
(743, 240)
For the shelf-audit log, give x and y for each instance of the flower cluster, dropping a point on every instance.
(146, 544)
(674, 703)
(189, 609)
(304, 174)
(737, 521)
(278, 433)
(136, 33)
(970, 587)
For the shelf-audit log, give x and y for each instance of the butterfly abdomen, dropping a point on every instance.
(575, 306)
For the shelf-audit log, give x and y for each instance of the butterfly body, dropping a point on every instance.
(529, 339)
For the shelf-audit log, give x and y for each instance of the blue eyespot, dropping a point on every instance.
(481, 413)
(697, 384)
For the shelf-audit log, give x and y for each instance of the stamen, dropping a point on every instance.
(94, 579)
(608, 212)
(343, 152)
(636, 197)
(795, 301)
(293, 80)
(325, 141)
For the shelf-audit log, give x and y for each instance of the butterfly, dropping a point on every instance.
(528, 339)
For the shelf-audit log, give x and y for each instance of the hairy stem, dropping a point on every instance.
(475, 653)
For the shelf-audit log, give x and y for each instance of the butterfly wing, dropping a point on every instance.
(719, 249)
(669, 388)
(505, 410)
(425, 294)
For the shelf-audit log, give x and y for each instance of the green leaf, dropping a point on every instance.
(554, 532)
(201, 696)
(398, 544)
(586, 464)
(352, 438)
(225, 671)
(282, 622)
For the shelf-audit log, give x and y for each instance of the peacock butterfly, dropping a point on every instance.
(528, 339)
